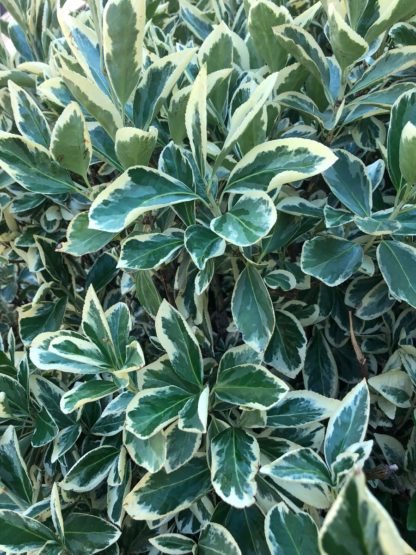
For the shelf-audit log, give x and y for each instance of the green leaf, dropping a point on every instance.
(91, 469)
(248, 221)
(252, 309)
(32, 166)
(135, 192)
(160, 495)
(287, 348)
(411, 514)
(28, 117)
(262, 17)
(396, 262)
(45, 430)
(144, 252)
(180, 344)
(358, 523)
(357, 197)
(20, 534)
(290, 533)
(270, 165)
(320, 372)
(147, 293)
(216, 539)
(86, 533)
(331, 259)
(298, 408)
(86, 392)
(234, 463)
(123, 30)
(245, 525)
(349, 423)
(80, 239)
(203, 244)
(14, 475)
(70, 141)
(402, 112)
(134, 147)
(173, 544)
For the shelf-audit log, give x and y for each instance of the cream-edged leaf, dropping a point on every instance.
(349, 423)
(215, 539)
(299, 408)
(153, 409)
(70, 141)
(287, 348)
(90, 470)
(203, 244)
(80, 239)
(196, 119)
(134, 147)
(173, 544)
(246, 113)
(247, 221)
(97, 103)
(156, 85)
(180, 344)
(358, 523)
(135, 192)
(32, 166)
(86, 392)
(161, 495)
(331, 259)
(248, 385)
(347, 45)
(28, 117)
(252, 309)
(290, 533)
(144, 252)
(123, 30)
(234, 463)
(396, 261)
(393, 385)
(270, 165)
(262, 17)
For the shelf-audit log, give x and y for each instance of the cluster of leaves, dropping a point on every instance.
(207, 292)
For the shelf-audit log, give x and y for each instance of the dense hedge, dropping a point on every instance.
(207, 277)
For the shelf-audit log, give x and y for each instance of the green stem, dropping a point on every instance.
(234, 267)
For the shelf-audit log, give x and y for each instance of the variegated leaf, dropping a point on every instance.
(349, 423)
(234, 463)
(247, 221)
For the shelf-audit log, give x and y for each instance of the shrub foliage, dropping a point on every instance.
(207, 278)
